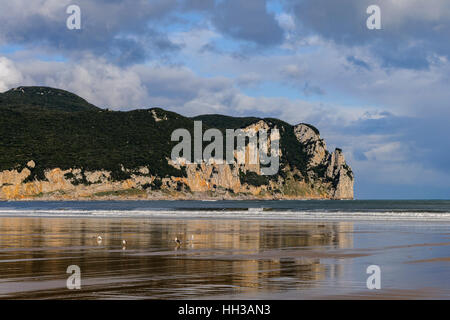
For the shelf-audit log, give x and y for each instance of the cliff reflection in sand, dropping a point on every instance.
(216, 257)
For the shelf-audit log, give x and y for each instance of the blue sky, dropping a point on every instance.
(380, 95)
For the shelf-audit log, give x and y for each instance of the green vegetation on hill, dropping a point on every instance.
(91, 139)
(225, 122)
(56, 128)
(26, 98)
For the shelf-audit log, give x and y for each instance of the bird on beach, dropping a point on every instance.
(177, 241)
(124, 242)
(99, 239)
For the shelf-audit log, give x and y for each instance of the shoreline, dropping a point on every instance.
(229, 209)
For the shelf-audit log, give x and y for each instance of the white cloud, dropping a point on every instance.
(286, 21)
(392, 151)
(9, 75)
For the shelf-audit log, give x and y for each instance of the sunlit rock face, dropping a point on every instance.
(337, 170)
(340, 172)
(315, 146)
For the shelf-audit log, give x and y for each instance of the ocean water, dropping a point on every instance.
(229, 249)
(414, 210)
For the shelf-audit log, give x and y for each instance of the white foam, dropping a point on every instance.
(235, 214)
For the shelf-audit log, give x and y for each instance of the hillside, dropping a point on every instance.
(44, 98)
(56, 145)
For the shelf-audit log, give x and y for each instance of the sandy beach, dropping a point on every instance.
(222, 259)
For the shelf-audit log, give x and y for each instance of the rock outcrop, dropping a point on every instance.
(327, 177)
(337, 170)
(56, 145)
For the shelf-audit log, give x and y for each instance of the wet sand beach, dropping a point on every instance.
(222, 258)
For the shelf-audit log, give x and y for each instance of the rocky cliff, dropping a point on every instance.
(47, 157)
(336, 169)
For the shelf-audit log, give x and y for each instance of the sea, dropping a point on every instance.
(225, 249)
(419, 210)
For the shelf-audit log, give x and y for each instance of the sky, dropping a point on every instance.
(382, 95)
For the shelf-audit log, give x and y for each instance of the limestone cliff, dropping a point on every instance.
(337, 171)
(206, 180)
(55, 145)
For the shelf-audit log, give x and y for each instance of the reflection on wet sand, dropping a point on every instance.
(216, 257)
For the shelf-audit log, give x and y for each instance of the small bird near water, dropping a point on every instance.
(124, 242)
(177, 241)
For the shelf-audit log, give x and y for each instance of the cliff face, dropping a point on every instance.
(337, 170)
(69, 149)
(207, 180)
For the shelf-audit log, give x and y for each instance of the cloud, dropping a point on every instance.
(248, 20)
(395, 153)
(291, 71)
(309, 89)
(9, 74)
(129, 31)
(286, 21)
(413, 31)
(174, 87)
(199, 5)
(124, 87)
(358, 62)
(249, 80)
(120, 31)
